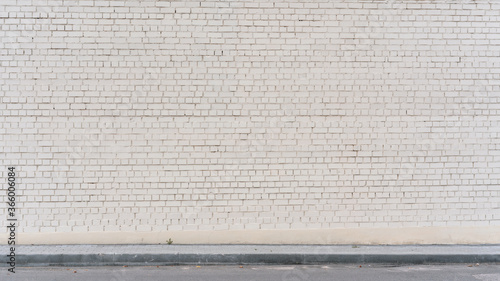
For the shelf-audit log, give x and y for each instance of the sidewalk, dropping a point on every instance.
(100, 255)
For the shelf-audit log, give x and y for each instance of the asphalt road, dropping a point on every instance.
(484, 272)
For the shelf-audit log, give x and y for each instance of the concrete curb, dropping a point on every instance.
(114, 255)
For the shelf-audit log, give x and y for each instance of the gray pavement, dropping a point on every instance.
(107, 255)
(377, 272)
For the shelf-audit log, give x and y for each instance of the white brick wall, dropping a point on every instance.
(219, 115)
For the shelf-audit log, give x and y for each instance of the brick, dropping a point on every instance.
(189, 115)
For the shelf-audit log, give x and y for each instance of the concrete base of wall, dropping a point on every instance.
(373, 236)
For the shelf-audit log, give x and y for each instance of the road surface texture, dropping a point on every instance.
(483, 272)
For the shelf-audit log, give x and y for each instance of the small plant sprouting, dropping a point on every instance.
(170, 241)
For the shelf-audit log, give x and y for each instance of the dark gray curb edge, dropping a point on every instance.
(214, 259)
